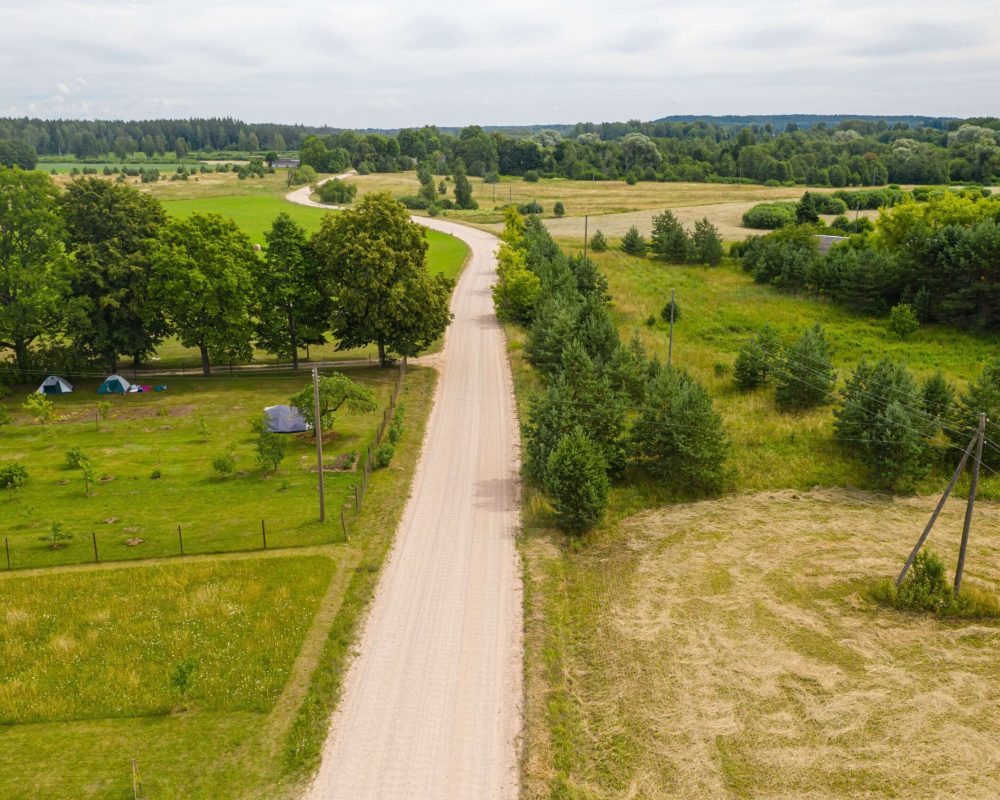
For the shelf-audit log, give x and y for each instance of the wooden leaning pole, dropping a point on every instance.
(976, 443)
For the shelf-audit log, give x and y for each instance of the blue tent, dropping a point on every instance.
(54, 385)
(114, 384)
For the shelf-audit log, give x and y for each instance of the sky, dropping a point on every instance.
(396, 63)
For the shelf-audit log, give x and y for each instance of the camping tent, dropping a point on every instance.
(55, 385)
(114, 384)
(285, 419)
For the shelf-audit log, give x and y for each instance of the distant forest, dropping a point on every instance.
(806, 149)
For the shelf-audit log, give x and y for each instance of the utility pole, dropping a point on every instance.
(318, 432)
(670, 342)
(585, 219)
(937, 510)
(972, 502)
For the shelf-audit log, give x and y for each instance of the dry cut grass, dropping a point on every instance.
(728, 649)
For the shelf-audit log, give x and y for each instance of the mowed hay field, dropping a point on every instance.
(729, 649)
(613, 206)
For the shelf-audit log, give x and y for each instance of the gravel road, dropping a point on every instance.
(431, 708)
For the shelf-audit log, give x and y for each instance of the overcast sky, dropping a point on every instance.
(392, 63)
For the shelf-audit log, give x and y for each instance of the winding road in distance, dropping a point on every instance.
(431, 707)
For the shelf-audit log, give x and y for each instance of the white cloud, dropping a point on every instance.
(388, 63)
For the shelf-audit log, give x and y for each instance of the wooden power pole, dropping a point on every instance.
(318, 431)
(973, 486)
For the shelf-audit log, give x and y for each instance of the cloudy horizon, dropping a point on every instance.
(383, 65)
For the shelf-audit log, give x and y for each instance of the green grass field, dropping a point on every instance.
(88, 654)
(160, 433)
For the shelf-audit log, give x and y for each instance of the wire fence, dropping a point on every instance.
(57, 549)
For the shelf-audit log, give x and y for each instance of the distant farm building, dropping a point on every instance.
(826, 242)
(286, 163)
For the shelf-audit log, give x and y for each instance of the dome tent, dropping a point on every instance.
(114, 384)
(285, 419)
(54, 385)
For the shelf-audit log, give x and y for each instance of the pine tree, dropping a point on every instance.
(755, 362)
(664, 227)
(463, 188)
(805, 376)
(633, 242)
(598, 243)
(678, 435)
(707, 243)
(577, 481)
(982, 397)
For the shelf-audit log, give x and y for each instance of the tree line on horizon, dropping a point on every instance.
(850, 153)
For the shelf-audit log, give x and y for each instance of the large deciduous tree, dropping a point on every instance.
(111, 229)
(33, 261)
(372, 262)
(291, 311)
(203, 275)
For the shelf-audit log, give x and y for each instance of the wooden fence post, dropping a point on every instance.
(343, 523)
(93, 536)
(6, 545)
(180, 539)
(263, 534)
(357, 503)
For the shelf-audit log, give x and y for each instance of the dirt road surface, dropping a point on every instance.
(431, 708)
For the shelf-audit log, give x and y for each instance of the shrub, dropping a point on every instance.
(631, 179)
(384, 454)
(224, 465)
(926, 588)
(679, 435)
(13, 477)
(414, 203)
(270, 448)
(39, 408)
(336, 191)
(531, 176)
(76, 458)
(491, 177)
(396, 426)
(5, 417)
(598, 243)
(304, 174)
(57, 537)
(805, 376)
(532, 207)
(770, 215)
(755, 362)
(903, 322)
(559, 209)
(577, 481)
(633, 242)
(665, 311)
(826, 203)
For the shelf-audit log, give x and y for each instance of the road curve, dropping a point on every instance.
(431, 707)
(301, 196)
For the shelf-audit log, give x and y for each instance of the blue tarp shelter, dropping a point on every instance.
(285, 419)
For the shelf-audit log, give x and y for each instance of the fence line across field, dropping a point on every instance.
(349, 512)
